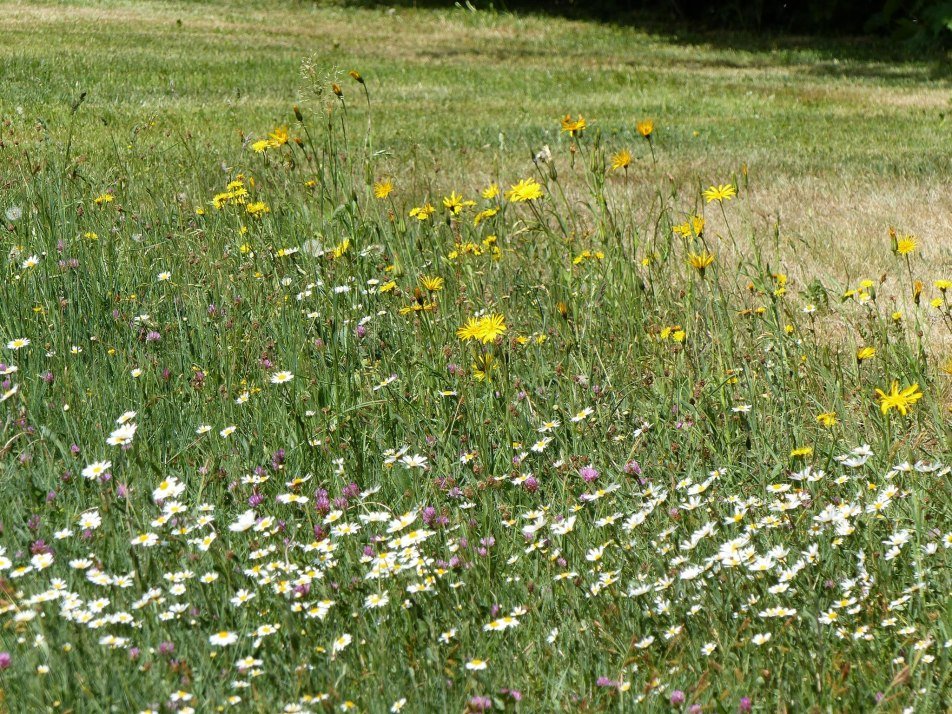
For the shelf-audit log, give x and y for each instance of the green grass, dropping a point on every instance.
(479, 78)
(694, 394)
(473, 94)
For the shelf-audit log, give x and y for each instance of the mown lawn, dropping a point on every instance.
(838, 138)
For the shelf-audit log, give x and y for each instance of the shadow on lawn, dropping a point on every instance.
(824, 55)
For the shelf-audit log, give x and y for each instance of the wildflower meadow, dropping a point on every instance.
(317, 428)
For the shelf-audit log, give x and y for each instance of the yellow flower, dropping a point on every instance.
(724, 192)
(481, 368)
(433, 284)
(905, 245)
(697, 225)
(827, 419)
(802, 451)
(485, 329)
(900, 400)
(421, 213)
(469, 331)
(418, 307)
(103, 198)
(259, 146)
(383, 188)
(257, 209)
(491, 191)
(699, 261)
(645, 128)
(278, 137)
(865, 353)
(588, 255)
(340, 249)
(526, 190)
(621, 160)
(483, 215)
(573, 127)
(901, 245)
(943, 285)
(454, 203)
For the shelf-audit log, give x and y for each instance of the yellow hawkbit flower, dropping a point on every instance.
(257, 209)
(483, 215)
(621, 160)
(700, 261)
(383, 188)
(900, 400)
(340, 249)
(645, 128)
(454, 203)
(485, 329)
(526, 190)
(422, 213)
(574, 127)
(724, 192)
(432, 284)
(864, 353)
(901, 245)
(827, 419)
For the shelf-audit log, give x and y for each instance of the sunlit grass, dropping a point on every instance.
(325, 397)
